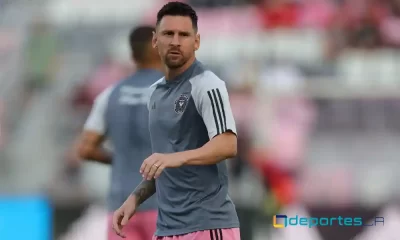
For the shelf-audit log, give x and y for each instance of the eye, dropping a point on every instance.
(184, 34)
(169, 33)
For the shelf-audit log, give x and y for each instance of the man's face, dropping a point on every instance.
(176, 40)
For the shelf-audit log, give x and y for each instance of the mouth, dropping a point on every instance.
(174, 53)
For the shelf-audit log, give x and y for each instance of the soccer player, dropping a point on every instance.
(192, 133)
(120, 116)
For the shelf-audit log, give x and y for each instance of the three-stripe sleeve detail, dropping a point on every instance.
(213, 108)
(222, 107)
(218, 108)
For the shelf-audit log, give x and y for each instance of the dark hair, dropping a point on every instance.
(139, 38)
(178, 9)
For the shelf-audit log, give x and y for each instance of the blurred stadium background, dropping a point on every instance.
(315, 86)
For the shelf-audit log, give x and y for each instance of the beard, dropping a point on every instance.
(174, 62)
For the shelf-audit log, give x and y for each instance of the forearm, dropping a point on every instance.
(89, 147)
(96, 154)
(100, 155)
(144, 191)
(218, 149)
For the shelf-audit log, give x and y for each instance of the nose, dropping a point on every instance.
(175, 40)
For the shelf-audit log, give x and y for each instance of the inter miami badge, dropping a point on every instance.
(181, 103)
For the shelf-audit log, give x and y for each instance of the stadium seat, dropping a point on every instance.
(298, 45)
(65, 12)
(352, 69)
(369, 69)
(385, 62)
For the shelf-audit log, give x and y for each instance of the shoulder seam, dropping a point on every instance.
(157, 82)
(106, 93)
(207, 74)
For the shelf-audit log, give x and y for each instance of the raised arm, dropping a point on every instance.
(212, 103)
(90, 148)
(220, 148)
(91, 140)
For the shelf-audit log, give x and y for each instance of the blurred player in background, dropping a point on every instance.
(192, 134)
(120, 116)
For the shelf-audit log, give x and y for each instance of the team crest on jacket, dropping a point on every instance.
(181, 103)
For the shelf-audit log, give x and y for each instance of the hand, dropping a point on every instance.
(123, 214)
(153, 166)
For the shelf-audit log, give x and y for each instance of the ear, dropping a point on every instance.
(154, 40)
(197, 42)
